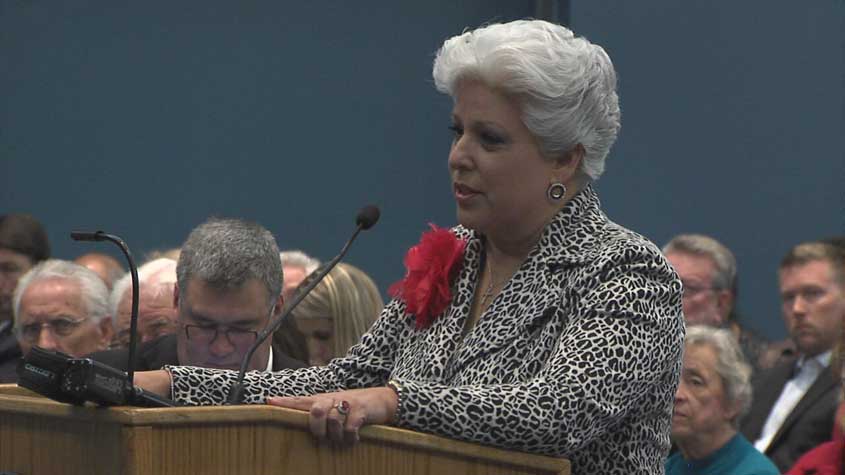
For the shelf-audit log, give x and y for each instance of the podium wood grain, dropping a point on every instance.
(40, 436)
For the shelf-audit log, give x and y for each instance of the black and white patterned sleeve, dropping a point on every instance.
(367, 364)
(617, 363)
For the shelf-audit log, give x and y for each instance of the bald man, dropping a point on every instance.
(104, 265)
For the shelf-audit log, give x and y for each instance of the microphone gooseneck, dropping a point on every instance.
(80, 380)
(133, 270)
(366, 219)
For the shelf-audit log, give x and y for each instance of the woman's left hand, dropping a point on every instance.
(338, 416)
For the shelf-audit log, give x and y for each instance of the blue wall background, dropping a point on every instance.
(733, 125)
(144, 118)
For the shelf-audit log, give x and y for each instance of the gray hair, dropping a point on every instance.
(705, 246)
(156, 272)
(566, 86)
(95, 294)
(731, 365)
(297, 258)
(226, 253)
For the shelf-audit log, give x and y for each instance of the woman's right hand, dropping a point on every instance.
(157, 382)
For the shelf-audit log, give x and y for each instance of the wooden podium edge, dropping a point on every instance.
(21, 400)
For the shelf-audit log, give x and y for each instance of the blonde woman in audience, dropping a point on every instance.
(337, 312)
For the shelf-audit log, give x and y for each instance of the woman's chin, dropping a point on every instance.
(470, 219)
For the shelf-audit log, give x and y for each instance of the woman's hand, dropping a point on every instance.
(157, 382)
(338, 416)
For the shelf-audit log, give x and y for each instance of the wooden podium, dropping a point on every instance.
(41, 436)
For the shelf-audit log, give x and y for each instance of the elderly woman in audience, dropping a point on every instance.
(537, 324)
(337, 312)
(715, 392)
(157, 313)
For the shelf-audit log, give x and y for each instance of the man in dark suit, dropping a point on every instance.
(228, 288)
(794, 403)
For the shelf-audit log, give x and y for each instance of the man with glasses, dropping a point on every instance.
(62, 306)
(708, 272)
(229, 282)
(795, 402)
(23, 243)
(157, 315)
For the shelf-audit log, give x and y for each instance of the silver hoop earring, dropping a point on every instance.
(556, 191)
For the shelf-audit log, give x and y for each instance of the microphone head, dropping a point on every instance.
(368, 216)
(86, 236)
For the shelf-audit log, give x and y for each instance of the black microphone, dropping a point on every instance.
(133, 270)
(86, 236)
(42, 371)
(96, 382)
(366, 218)
(76, 380)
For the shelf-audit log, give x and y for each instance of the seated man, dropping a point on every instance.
(62, 306)
(104, 265)
(708, 271)
(23, 243)
(156, 309)
(795, 404)
(714, 392)
(296, 266)
(229, 283)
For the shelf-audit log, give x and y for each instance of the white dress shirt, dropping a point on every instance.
(806, 373)
(270, 360)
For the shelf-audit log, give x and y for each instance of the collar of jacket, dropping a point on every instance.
(581, 217)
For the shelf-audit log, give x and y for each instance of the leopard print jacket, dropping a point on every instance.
(577, 357)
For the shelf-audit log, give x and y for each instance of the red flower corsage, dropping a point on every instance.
(431, 266)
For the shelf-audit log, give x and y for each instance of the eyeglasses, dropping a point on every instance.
(61, 327)
(207, 334)
(691, 290)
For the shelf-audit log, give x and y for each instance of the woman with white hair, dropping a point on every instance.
(714, 393)
(537, 324)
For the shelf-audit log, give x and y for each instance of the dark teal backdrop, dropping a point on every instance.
(144, 118)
